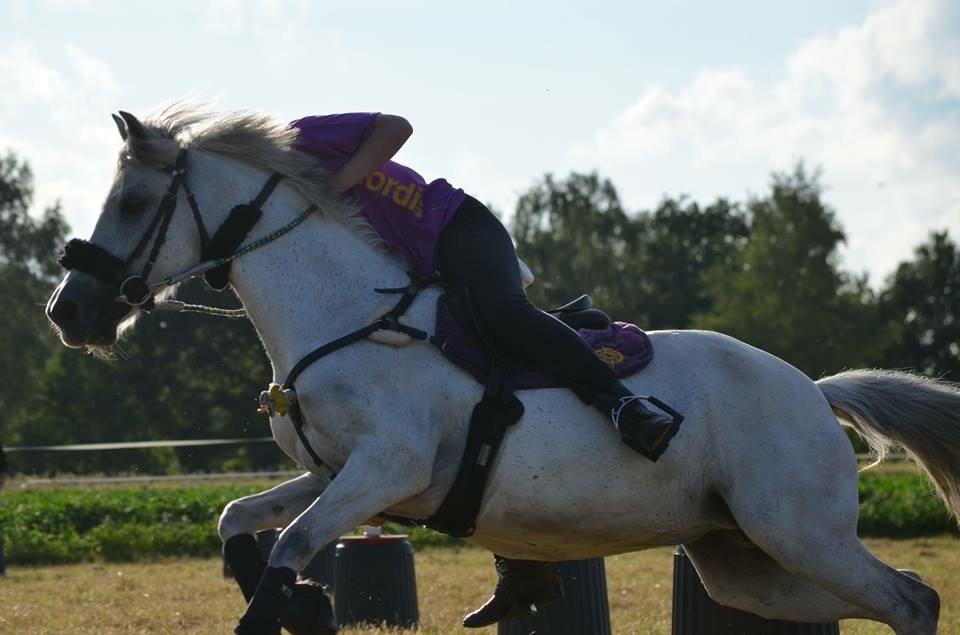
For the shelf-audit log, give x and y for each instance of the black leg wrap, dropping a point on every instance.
(241, 554)
(271, 598)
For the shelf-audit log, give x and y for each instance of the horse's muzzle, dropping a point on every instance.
(84, 312)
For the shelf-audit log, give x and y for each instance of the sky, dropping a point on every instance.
(703, 99)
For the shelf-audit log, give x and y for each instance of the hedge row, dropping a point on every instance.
(124, 524)
(114, 524)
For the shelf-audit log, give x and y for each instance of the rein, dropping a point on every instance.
(218, 252)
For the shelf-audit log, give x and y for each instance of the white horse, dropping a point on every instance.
(759, 485)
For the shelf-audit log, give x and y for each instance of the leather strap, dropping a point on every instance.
(389, 322)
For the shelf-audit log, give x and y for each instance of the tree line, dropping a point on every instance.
(765, 270)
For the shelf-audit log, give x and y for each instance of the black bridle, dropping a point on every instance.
(133, 289)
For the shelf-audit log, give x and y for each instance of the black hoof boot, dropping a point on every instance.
(271, 598)
(257, 625)
(309, 611)
(524, 586)
(647, 432)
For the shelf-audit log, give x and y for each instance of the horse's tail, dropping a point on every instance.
(919, 413)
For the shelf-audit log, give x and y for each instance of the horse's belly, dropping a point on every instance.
(565, 486)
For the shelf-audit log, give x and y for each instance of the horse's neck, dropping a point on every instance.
(309, 286)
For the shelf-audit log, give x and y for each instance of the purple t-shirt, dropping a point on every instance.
(406, 210)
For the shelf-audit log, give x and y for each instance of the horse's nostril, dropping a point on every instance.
(62, 311)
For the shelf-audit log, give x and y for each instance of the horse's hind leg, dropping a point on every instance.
(736, 573)
(808, 524)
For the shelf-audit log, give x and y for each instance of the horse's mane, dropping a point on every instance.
(253, 138)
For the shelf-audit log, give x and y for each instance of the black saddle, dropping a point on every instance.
(580, 314)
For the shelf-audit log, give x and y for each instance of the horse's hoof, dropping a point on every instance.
(257, 625)
(309, 611)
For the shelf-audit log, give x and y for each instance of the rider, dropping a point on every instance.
(437, 227)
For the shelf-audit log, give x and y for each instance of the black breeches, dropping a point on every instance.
(475, 251)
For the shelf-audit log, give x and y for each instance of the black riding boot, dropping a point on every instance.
(646, 431)
(523, 586)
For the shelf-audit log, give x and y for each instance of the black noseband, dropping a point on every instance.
(91, 259)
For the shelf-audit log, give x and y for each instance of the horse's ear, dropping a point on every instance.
(134, 127)
(121, 126)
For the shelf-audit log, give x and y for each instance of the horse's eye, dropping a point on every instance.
(132, 205)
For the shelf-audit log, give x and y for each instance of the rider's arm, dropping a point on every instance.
(389, 134)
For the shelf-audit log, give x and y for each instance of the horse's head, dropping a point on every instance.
(145, 232)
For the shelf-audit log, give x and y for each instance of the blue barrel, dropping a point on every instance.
(694, 613)
(584, 609)
(375, 582)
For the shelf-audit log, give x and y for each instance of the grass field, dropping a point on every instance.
(191, 596)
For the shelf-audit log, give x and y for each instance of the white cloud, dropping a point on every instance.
(26, 78)
(92, 71)
(876, 105)
(71, 147)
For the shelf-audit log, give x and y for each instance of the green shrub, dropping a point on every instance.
(130, 523)
(901, 506)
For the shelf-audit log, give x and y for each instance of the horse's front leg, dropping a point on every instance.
(310, 611)
(242, 518)
(373, 479)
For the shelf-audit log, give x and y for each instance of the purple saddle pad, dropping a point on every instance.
(624, 347)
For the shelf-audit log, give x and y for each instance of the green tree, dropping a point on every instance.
(676, 246)
(574, 235)
(647, 268)
(28, 248)
(180, 376)
(922, 300)
(784, 292)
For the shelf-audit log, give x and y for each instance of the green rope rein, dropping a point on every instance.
(183, 307)
(269, 237)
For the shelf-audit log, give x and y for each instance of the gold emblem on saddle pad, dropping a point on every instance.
(610, 356)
